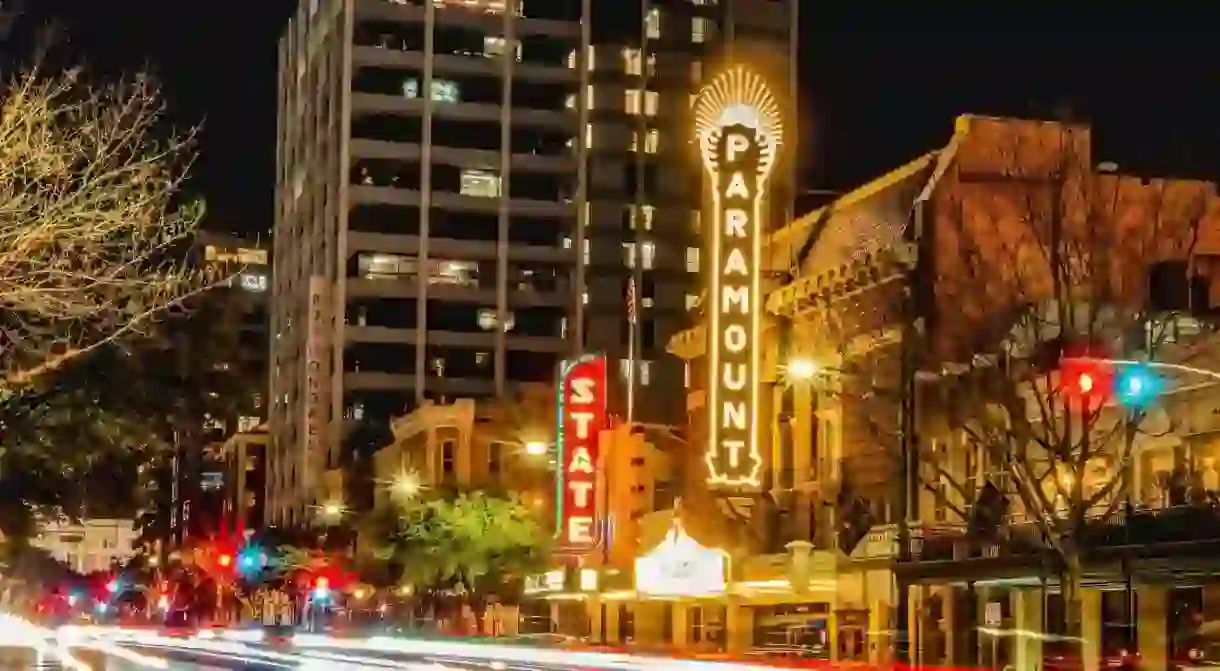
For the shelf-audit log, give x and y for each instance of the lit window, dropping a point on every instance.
(699, 29)
(589, 136)
(572, 59)
(633, 61)
(256, 282)
(572, 101)
(651, 141)
(480, 183)
(647, 252)
(443, 90)
(458, 273)
(641, 214)
(585, 255)
(692, 259)
(652, 23)
(498, 47)
(487, 320)
(651, 101)
(692, 302)
(632, 101)
(584, 297)
(644, 367)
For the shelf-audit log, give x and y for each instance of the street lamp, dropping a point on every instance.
(536, 448)
(406, 485)
(802, 369)
(332, 511)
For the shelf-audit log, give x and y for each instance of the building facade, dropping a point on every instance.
(469, 192)
(183, 496)
(244, 455)
(90, 545)
(902, 330)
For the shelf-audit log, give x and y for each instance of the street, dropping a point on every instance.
(24, 645)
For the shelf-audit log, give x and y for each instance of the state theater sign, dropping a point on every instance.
(739, 130)
(581, 416)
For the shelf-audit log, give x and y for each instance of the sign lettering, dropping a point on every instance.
(739, 132)
(581, 416)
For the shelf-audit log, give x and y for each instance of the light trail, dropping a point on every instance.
(1205, 372)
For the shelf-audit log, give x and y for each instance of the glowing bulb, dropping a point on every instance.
(536, 448)
(802, 369)
(1085, 383)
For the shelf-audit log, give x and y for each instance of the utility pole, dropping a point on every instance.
(908, 441)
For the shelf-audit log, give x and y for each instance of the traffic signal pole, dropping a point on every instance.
(908, 444)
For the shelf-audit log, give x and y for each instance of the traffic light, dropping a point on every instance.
(321, 588)
(225, 560)
(1086, 378)
(1138, 386)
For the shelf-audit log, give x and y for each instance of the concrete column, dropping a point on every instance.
(594, 609)
(832, 635)
(949, 624)
(1151, 626)
(1027, 612)
(681, 625)
(1090, 628)
(880, 648)
(739, 627)
(612, 622)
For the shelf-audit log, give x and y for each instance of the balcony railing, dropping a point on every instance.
(1140, 530)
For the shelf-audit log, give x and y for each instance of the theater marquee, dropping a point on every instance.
(581, 416)
(738, 127)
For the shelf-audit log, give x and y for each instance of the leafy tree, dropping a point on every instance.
(472, 545)
(124, 406)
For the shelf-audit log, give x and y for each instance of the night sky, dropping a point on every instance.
(872, 98)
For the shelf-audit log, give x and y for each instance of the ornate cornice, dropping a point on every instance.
(870, 269)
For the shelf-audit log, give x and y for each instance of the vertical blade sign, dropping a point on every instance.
(738, 128)
(581, 416)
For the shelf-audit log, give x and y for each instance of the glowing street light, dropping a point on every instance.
(407, 485)
(536, 448)
(332, 511)
(803, 369)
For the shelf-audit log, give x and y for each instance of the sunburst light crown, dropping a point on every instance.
(738, 96)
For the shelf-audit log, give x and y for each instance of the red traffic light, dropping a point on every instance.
(1087, 378)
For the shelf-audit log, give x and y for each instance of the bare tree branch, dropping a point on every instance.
(93, 221)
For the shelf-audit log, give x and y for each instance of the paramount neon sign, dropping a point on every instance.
(739, 132)
(581, 416)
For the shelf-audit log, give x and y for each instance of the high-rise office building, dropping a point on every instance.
(470, 190)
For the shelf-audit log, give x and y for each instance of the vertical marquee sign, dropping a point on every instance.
(581, 416)
(739, 130)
